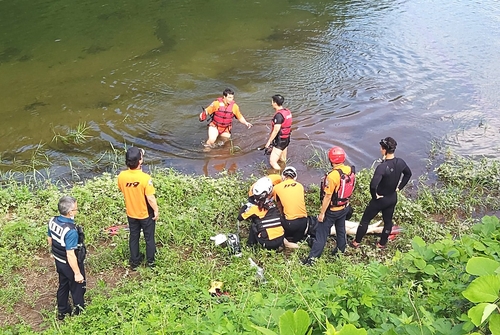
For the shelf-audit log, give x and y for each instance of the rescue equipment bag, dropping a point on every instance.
(343, 193)
(203, 115)
(81, 250)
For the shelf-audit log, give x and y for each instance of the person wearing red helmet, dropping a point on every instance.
(389, 177)
(332, 212)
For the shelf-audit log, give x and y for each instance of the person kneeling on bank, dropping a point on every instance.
(265, 218)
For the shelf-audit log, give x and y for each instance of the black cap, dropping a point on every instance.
(133, 156)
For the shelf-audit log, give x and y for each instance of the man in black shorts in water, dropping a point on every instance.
(281, 129)
(385, 184)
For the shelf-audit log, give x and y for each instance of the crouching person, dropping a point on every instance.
(265, 218)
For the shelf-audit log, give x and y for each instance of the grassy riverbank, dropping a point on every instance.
(413, 287)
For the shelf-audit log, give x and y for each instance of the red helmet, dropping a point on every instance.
(336, 155)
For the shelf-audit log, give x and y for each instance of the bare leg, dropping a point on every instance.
(273, 158)
(213, 133)
(224, 137)
(283, 155)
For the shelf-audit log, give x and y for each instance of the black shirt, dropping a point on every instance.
(387, 176)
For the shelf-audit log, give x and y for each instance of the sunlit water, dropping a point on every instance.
(352, 72)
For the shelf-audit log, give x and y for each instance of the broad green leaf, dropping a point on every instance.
(487, 311)
(417, 241)
(367, 300)
(430, 269)
(351, 330)
(495, 324)
(264, 330)
(258, 299)
(477, 313)
(419, 263)
(294, 323)
(453, 253)
(483, 289)
(479, 246)
(330, 329)
(480, 266)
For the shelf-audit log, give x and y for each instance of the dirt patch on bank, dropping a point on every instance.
(39, 298)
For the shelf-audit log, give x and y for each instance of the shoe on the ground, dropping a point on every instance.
(354, 244)
(380, 246)
(134, 266)
(308, 261)
(151, 264)
(61, 316)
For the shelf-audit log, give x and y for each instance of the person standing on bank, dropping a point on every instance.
(66, 240)
(141, 206)
(223, 110)
(281, 129)
(389, 177)
(331, 213)
(290, 198)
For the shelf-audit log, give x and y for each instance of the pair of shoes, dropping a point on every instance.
(308, 261)
(380, 246)
(354, 244)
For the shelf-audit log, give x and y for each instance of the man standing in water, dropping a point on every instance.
(281, 129)
(223, 110)
(140, 203)
(385, 184)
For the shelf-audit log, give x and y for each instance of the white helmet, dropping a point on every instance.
(262, 188)
(290, 172)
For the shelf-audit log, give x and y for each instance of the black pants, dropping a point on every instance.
(295, 230)
(253, 239)
(336, 218)
(386, 205)
(68, 284)
(148, 228)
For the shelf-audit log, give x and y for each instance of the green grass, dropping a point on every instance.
(412, 287)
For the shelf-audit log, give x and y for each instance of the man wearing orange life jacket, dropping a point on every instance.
(281, 129)
(223, 110)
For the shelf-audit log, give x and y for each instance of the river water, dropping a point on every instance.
(352, 72)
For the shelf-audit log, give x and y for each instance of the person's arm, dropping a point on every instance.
(245, 122)
(290, 245)
(73, 263)
(406, 178)
(279, 205)
(377, 177)
(49, 241)
(154, 205)
(327, 199)
(276, 130)
(237, 114)
(212, 108)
